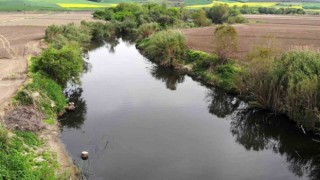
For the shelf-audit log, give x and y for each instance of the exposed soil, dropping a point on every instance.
(25, 119)
(288, 31)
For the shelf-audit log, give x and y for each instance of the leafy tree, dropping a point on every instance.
(200, 19)
(218, 13)
(225, 42)
(61, 65)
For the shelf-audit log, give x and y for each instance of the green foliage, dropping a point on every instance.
(225, 41)
(271, 10)
(289, 84)
(236, 19)
(200, 19)
(43, 93)
(147, 29)
(59, 36)
(223, 13)
(49, 121)
(202, 61)
(18, 154)
(99, 30)
(133, 15)
(226, 76)
(61, 65)
(165, 47)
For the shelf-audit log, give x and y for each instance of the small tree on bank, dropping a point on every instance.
(225, 42)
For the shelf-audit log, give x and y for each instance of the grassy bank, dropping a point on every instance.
(23, 156)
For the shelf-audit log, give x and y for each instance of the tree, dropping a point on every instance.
(200, 19)
(218, 13)
(225, 42)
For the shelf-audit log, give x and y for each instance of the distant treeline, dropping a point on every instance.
(270, 10)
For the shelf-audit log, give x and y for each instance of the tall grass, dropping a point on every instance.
(289, 84)
(165, 47)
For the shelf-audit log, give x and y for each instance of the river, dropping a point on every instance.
(140, 121)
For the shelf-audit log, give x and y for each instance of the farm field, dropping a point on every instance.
(58, 5)
(288, 32)
(19, 37)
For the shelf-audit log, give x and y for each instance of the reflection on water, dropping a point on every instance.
(74, 119)
(167, 75)
(258, 130)
(150, 136)
(221, 104)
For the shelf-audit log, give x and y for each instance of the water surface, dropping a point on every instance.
(140, 121)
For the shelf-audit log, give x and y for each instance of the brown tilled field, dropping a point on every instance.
(20, 35)
(288, 32)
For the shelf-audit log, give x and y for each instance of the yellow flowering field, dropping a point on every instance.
(84, 5)
(239, 4)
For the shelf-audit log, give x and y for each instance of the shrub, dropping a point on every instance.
(289, 84)
(99, 30)
(200, 19)
(164, 47)
(43, 93)
(61, 65)
(222, 13)
(225, 42)
(201, 60)
(61, 35)
(218, 13)
(236, 19)
(225, 74)
(145, 30)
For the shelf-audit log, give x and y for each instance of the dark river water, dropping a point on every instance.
(140, 121)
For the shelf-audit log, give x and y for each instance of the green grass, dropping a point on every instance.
(49, 121)
(18, 155)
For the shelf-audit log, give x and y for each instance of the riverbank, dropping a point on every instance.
(23, 123)
(262, 80)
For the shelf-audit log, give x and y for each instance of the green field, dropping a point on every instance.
(56, 5)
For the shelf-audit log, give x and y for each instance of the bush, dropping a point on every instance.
(201, 60)
(218, 13)
(200, 19)
(225, 74)
(236, 19)
(134, 13)
(100, 30)
(222, 13)
(164, 47)
(145, 30)
(43, 93)
(59, 36)
(289, 84)
(61, 65)
(225, 42)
